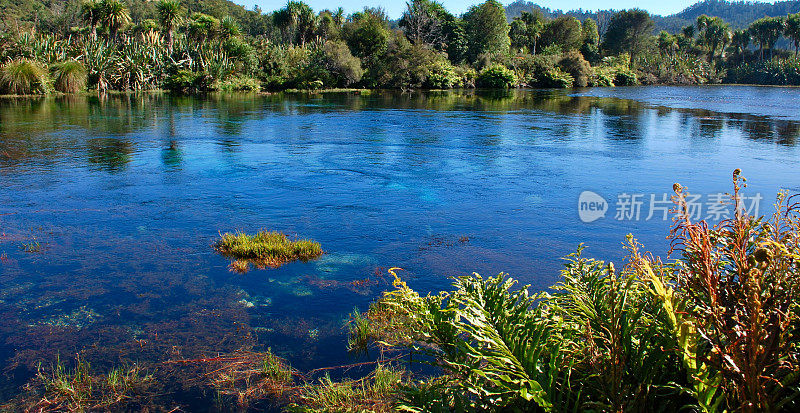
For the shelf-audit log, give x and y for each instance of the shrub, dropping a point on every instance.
(467, 76)
(625, 77)
(23, 77)
(674, 68)
(580, 70)
(69, 76)
(287, 66)
(602, 78)
(344, 68)
(183, 81)
(242, 53)
(590, 52)
(769, 72)
(443, 76)
(311, 85)
(496, 77)
(238, 84)
(554, 78)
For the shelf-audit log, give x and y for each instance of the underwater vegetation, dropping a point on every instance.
(712, 329)
(248, 379)
(31, 246)
(60, 389)
(265, 249)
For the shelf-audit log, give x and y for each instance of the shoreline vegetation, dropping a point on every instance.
(191, 47)
(714, 328)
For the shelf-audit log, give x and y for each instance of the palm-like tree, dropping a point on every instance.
(792, 30)
(338, 17)
(667, 43)
(203, 28)
(534, 23)
(766, 32)
(740, 40)
(714, 34)
(298, 19)
(92, 14)
(115, 16)
(169, 16)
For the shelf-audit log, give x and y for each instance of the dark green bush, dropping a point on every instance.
(770, 72)
(625, 77)
(577, 67)
(344, 69)
(555, 78)
(186, 81)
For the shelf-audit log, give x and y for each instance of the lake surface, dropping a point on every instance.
(125, 196)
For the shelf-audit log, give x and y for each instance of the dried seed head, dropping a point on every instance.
(677, 187)
(762, 255)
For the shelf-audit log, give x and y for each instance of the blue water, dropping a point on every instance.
(126, 195)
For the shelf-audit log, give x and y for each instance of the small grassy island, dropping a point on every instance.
(265, 249)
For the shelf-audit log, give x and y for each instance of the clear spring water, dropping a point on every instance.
(126, 194)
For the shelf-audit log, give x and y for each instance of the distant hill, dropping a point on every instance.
(738, 13)
(60, 15)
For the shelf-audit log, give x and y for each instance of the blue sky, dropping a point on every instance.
(395, 7)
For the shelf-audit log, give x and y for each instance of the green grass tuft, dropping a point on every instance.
(69, 76)
(276, 369)
(267, 248)
(23, 77)
(359, 330)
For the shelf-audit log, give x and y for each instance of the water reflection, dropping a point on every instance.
(111, 154)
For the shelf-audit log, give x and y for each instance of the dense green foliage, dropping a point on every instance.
(190, 47)
(712, 331)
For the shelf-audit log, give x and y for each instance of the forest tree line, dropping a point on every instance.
(195, 46)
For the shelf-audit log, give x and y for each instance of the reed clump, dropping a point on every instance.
(79, 389)
(23, 77)
(267, 248)
(69, 76)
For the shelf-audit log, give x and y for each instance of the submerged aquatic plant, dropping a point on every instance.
(31, 246)
(23, 77)
(249, 378)
(358, 331)
(267, 248)
(375, 392)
